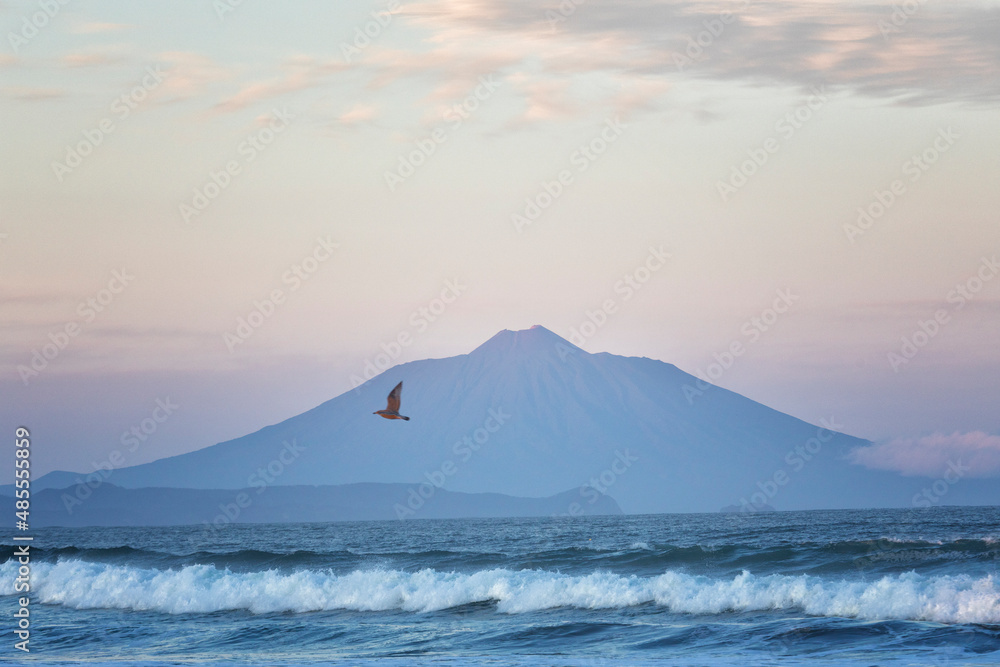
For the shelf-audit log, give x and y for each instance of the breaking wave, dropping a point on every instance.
(650, 557)
(204, 588)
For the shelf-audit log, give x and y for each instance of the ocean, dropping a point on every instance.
(873, 587)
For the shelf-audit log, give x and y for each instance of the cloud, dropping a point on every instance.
(545, 99)
(640, 94)
(549, 70)
(171, 334)
(915, 308)
(188, 75)
(111, 348)
(298, 73)
(34, 298)
(361, 113)
(33, 94)
(97, 27)
(941, 53)
(89, 59)
(930, 455)
(458, 64)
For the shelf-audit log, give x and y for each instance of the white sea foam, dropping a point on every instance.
(204, 588)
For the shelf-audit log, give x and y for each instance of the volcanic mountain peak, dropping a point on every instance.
(534, 340)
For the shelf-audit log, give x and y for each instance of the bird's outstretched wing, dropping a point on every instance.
(394, 397)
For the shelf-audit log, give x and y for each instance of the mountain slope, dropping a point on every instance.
(529, 414)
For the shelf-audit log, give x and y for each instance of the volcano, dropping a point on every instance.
(529, 414)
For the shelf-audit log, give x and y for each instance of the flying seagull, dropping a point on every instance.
(392, 408)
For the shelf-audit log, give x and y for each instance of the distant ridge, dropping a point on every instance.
(111, 505)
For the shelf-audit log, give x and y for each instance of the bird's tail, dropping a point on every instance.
(402, 417)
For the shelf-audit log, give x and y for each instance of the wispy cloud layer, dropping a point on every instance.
(936, 54)
(89, 59)
(361, 113)
(97, 27)
(298, 73)
(189, 75)
(623, 57)
(32, 93)
(930, 456)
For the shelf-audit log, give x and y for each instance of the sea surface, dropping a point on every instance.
(885, 587)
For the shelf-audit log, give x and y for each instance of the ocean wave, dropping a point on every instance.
(828, 559)
(204, 589)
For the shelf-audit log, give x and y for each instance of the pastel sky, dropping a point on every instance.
(168, 167)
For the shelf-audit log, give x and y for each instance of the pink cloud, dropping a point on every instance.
(929, 456)
(545, 99)
(944, 52)
(299, 73)
(189, 75)
(361, 113)
(96, 27)
(88, 59)
(33, 94)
